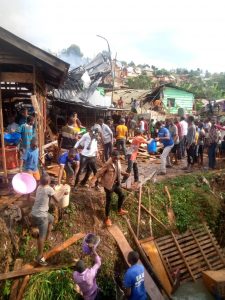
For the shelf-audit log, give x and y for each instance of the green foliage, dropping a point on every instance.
(6, 288)
(139, 82)
(54, 285)
(191, 201)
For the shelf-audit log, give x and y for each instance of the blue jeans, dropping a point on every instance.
(212, 155)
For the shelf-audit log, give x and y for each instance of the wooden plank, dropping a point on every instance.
(139, 210)
(17, 77)
(2, 137)
(152, 252)
(30, 271)
(15, 285)
(125, 248)
(181, 252)
(47, 255)
(200, 248)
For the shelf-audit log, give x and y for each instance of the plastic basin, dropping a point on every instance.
(86, 249)
(12, 138)
(24, 183)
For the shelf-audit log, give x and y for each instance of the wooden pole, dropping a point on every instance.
(183, 256)
(139, 210)
(146, 260)
(150, 210)
(2, 137)
(49, 254)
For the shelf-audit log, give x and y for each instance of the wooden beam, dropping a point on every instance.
(183, 256)
(139, 210)
(24, 272)
(15, 285)
(2, 137)
(17, 77)
(214, 244)
(146, 260)
(47, 255)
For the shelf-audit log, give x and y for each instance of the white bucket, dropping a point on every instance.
(63, 199)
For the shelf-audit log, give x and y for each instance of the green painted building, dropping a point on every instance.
(172, 99)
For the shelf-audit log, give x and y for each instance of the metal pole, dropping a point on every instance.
(110, 59)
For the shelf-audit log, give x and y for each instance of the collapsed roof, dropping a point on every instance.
(82, 82)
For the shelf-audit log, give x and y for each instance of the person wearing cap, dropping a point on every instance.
(88, 155)
(121, 136)
(132, 155)
(110, 178)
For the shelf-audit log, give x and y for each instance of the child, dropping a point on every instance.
(27, 133)
(31, 158)
(40, 216)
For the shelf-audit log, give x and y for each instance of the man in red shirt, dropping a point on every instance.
(132, 155)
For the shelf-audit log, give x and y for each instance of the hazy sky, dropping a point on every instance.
(166, 33)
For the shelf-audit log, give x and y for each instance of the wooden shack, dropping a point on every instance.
(25, 71)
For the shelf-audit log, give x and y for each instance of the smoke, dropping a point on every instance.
(73, 59)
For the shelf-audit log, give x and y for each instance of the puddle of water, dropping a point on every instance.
(192, 291)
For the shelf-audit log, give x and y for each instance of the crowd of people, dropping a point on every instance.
(78, 152)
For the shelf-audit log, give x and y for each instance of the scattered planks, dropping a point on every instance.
(29, 267)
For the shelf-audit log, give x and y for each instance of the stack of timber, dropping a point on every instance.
(191, 253)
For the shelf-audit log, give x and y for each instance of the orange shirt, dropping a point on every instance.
(136, 142)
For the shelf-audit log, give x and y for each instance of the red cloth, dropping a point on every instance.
(136, 142)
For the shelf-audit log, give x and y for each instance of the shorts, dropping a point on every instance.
(35, 174)
(42, 224)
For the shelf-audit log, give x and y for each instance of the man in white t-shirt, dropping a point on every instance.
(88, 156)
(184, 130)
(107, 138)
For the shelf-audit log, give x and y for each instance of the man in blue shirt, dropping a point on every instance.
(165, 138)
(134, 279)
(70, 161)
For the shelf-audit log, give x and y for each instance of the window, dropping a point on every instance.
(170, 102)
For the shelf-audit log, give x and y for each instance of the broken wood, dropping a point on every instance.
(139, 210)
(150, 210)
(49, 254)
(183, 256)
(154, 217)
(30, 271)
(15, 285)
(169, 209)
(145, 259)
(64, 245)
(125, 248)
(22, 288)
(155, 259)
